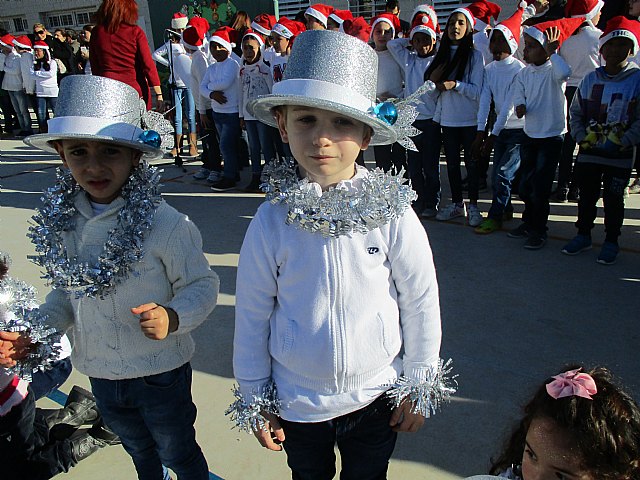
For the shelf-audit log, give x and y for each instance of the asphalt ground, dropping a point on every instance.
(510, 317)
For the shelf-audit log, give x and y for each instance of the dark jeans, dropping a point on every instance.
(506, 162)
(25, 447)
(228, 127)
(565, 166)
(154, 417)
(391, 156)
(590, 176)
(365, 441)
(259, 144)
(211, 158)
(538, 161)
(424, 165)
(45, 382)
(453, 139)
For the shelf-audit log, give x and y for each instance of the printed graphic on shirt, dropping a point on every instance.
(278, 72)
(372, 250)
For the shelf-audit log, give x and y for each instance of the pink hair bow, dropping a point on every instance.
(572, 383)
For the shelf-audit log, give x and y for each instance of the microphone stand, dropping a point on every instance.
(177, 161)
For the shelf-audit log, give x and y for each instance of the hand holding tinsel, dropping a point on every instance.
(248, 416)
(428, 396)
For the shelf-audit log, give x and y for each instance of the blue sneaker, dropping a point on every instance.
(608, 253)
(580, 243)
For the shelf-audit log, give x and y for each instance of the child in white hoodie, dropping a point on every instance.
(45, 72)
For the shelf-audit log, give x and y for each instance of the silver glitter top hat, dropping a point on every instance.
(101, 109)
(331, 71)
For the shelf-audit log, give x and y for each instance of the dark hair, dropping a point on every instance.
(43, 63)
(88, 27)
(71, 33)
(461, 59)
(392, 4)
(4, 265)
(606, 428)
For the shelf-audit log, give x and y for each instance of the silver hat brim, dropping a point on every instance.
(262, 109)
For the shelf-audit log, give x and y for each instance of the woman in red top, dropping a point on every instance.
(119, 50)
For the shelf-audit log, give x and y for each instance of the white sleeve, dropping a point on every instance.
(484, 106)
(160, 55)
(398, 50)
(561, 69)
(473, 86)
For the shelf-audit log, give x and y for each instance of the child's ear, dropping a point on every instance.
(58, 146)
(281, 120)
(135, 160)
(367, 138)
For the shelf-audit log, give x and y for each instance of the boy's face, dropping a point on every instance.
(422, 43)
(617, 51)
(382, 33)
(498, 45)
(100, 168)
(280, 44)
(313, 23)
(325, 144)
(218, 52)
(634, 8)
(534, 53)
(250, 49)
(5, 50)
(332, 25)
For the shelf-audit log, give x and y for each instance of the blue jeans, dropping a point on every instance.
(259, 141)
(365, 441)
(539, 159)
(44, 103)
(21, 106)
(453, 139)
(45, 382)
(228, 127)
(506, 161)
(154, 417)
(181, 95)
(424, 165)
(211, 158)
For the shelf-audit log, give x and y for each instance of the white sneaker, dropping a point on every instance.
(202, 174)
(214, 176)
(451, 211)
(474, 217)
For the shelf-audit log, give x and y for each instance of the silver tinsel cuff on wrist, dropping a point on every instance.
(428, 396)
(248, 416)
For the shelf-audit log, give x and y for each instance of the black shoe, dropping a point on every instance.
(223, 185)
(103, 433)
(535, 241)
(521, 232)
(482, 185)
(561, 195)
(83, 445)
(254, 185)
(574, 194)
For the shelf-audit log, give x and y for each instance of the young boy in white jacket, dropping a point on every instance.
(337, 311)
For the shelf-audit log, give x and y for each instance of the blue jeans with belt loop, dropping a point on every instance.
(506, 162)
(154, 417)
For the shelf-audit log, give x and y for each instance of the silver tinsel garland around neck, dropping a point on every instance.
(122, 249)
(378, 199)
(19, 313)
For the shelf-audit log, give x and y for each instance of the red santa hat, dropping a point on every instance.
(14, 391)
(255, 35)
(23, 42)
(320, 12)
(622, 27)
(358, 27)
(41, 44)
(389, 18)
(428, 9)
(288, 28)
(566, 26)
(7, 40)
(423, 23)
(263, 23)
(468, 15)
(511, 28)
(200, 24)
(483, 11)
(224, 36)
(179, 20)
(192, 38)
(340, 16)
(583, 8)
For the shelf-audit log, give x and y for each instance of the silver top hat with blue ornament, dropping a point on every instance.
(331, 71)
(102, 109)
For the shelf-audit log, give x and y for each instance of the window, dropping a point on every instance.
(82, 18)
(5, 25)
(20, 24)
(61, 20)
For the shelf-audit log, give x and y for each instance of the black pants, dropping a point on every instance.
(211, 158)
(391, 156)
(365, 441)
(25, 446)
(454, 139)
(565, 166)
(613, 180)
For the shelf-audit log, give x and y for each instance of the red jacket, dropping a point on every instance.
(125, 56)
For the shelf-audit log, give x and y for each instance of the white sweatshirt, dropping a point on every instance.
(582, 53)
(26, 64)
(332, 320)
(481, 43)
(200, 61)
(12, 81)
(414, 68)
(498, 80)
(182, 68)
(390, 76)
(46, 81)
(161, 55)
(222, 76)
(254, 81)
(541, 90)
(459, 107)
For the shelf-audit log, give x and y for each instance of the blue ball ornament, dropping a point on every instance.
(387, 112)
(151, 138)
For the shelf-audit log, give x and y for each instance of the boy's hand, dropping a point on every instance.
(156, 321)
(476, 146)
(273, 437)
(521, 111)
(541, 6)
(553, 35)
(204, 120)
(218, 96)
(403, 420)
(13, 346)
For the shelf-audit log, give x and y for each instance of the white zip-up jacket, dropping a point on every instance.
(332, 320)
(26, 65)
(46, 80)
(12, 81)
